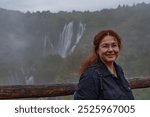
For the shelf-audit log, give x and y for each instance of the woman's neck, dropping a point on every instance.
(112, 69)
(110, 65)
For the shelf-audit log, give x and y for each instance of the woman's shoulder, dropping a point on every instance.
(97, 64)
(92, 70)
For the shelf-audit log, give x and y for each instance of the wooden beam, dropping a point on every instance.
(141, 82)
(36, 91)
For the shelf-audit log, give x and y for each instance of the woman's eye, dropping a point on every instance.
(114, 45)
(105, 46)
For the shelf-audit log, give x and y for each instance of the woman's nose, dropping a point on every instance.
(110, 48)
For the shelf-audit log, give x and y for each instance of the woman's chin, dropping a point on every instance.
(110, 60)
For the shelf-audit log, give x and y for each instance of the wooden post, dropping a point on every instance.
(36, 91)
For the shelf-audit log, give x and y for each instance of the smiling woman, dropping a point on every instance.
(108, 52)
(101, 77)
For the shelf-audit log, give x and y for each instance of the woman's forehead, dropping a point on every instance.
(109, 39)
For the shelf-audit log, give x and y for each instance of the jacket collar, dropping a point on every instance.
(104, 70)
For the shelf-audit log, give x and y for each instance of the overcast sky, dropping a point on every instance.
(64, 5)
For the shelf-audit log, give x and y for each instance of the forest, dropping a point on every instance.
(48, 48)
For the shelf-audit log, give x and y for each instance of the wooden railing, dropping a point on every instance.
(36, 91)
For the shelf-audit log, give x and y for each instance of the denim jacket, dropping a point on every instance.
(97, 83)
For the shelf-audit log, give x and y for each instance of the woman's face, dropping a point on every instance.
(108, 49)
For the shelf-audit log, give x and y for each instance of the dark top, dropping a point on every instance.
(97, 83)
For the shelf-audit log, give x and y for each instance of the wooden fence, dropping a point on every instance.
(36, 91)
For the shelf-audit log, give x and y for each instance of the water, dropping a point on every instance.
(67, 42)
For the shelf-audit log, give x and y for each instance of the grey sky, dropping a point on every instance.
(64, 5)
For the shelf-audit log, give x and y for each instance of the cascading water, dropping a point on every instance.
(68, 40)
(28, 76)
(65, 40)
(21, 76)
(48, 46)
(79, 35)
(65, 46)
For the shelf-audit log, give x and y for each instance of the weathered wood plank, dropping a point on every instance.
(141, 82)
(36, 91)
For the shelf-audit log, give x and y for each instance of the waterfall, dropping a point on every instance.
(67, 41)
(28, 75)
(79, 35)
(29, 80)
(65, 46)
(48, 46)
(13, 77)
(21, 76)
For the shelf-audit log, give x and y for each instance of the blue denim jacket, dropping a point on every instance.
(97, 83)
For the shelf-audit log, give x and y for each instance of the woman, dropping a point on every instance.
(101, 78)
